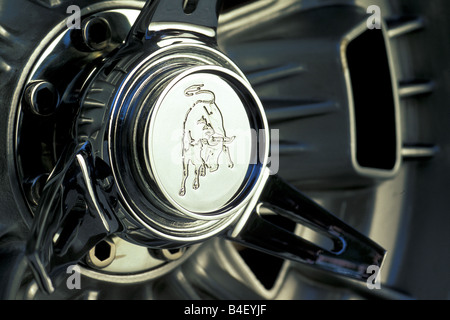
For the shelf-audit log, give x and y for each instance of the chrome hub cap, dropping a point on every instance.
(164, 145)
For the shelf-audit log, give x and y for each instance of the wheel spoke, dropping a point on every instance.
(199, 16)
(350, 254)
(69, 219)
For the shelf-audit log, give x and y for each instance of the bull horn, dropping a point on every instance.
(212, 99)
(193, 89)
(197, 89)
(228, 140)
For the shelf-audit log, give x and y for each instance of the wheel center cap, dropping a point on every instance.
(200, 141)
(183, 143)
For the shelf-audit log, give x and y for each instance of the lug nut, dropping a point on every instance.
(96, 33)
(167, 254)
(42, 97)
(102, 255)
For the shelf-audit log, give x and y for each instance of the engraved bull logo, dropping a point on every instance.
(204, 137)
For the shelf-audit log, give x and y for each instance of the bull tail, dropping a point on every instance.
(197, 89)
(228, 140)
(193, 89)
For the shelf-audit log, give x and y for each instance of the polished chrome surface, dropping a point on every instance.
(149, 140)
(188, 215)
(133, 263)
(163, 102)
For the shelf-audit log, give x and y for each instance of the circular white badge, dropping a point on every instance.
(200, 143)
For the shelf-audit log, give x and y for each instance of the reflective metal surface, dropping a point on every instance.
(150, 140)
(164, 154)
(347, 252)
(148, 113)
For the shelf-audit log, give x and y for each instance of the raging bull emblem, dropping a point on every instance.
(204, 137)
